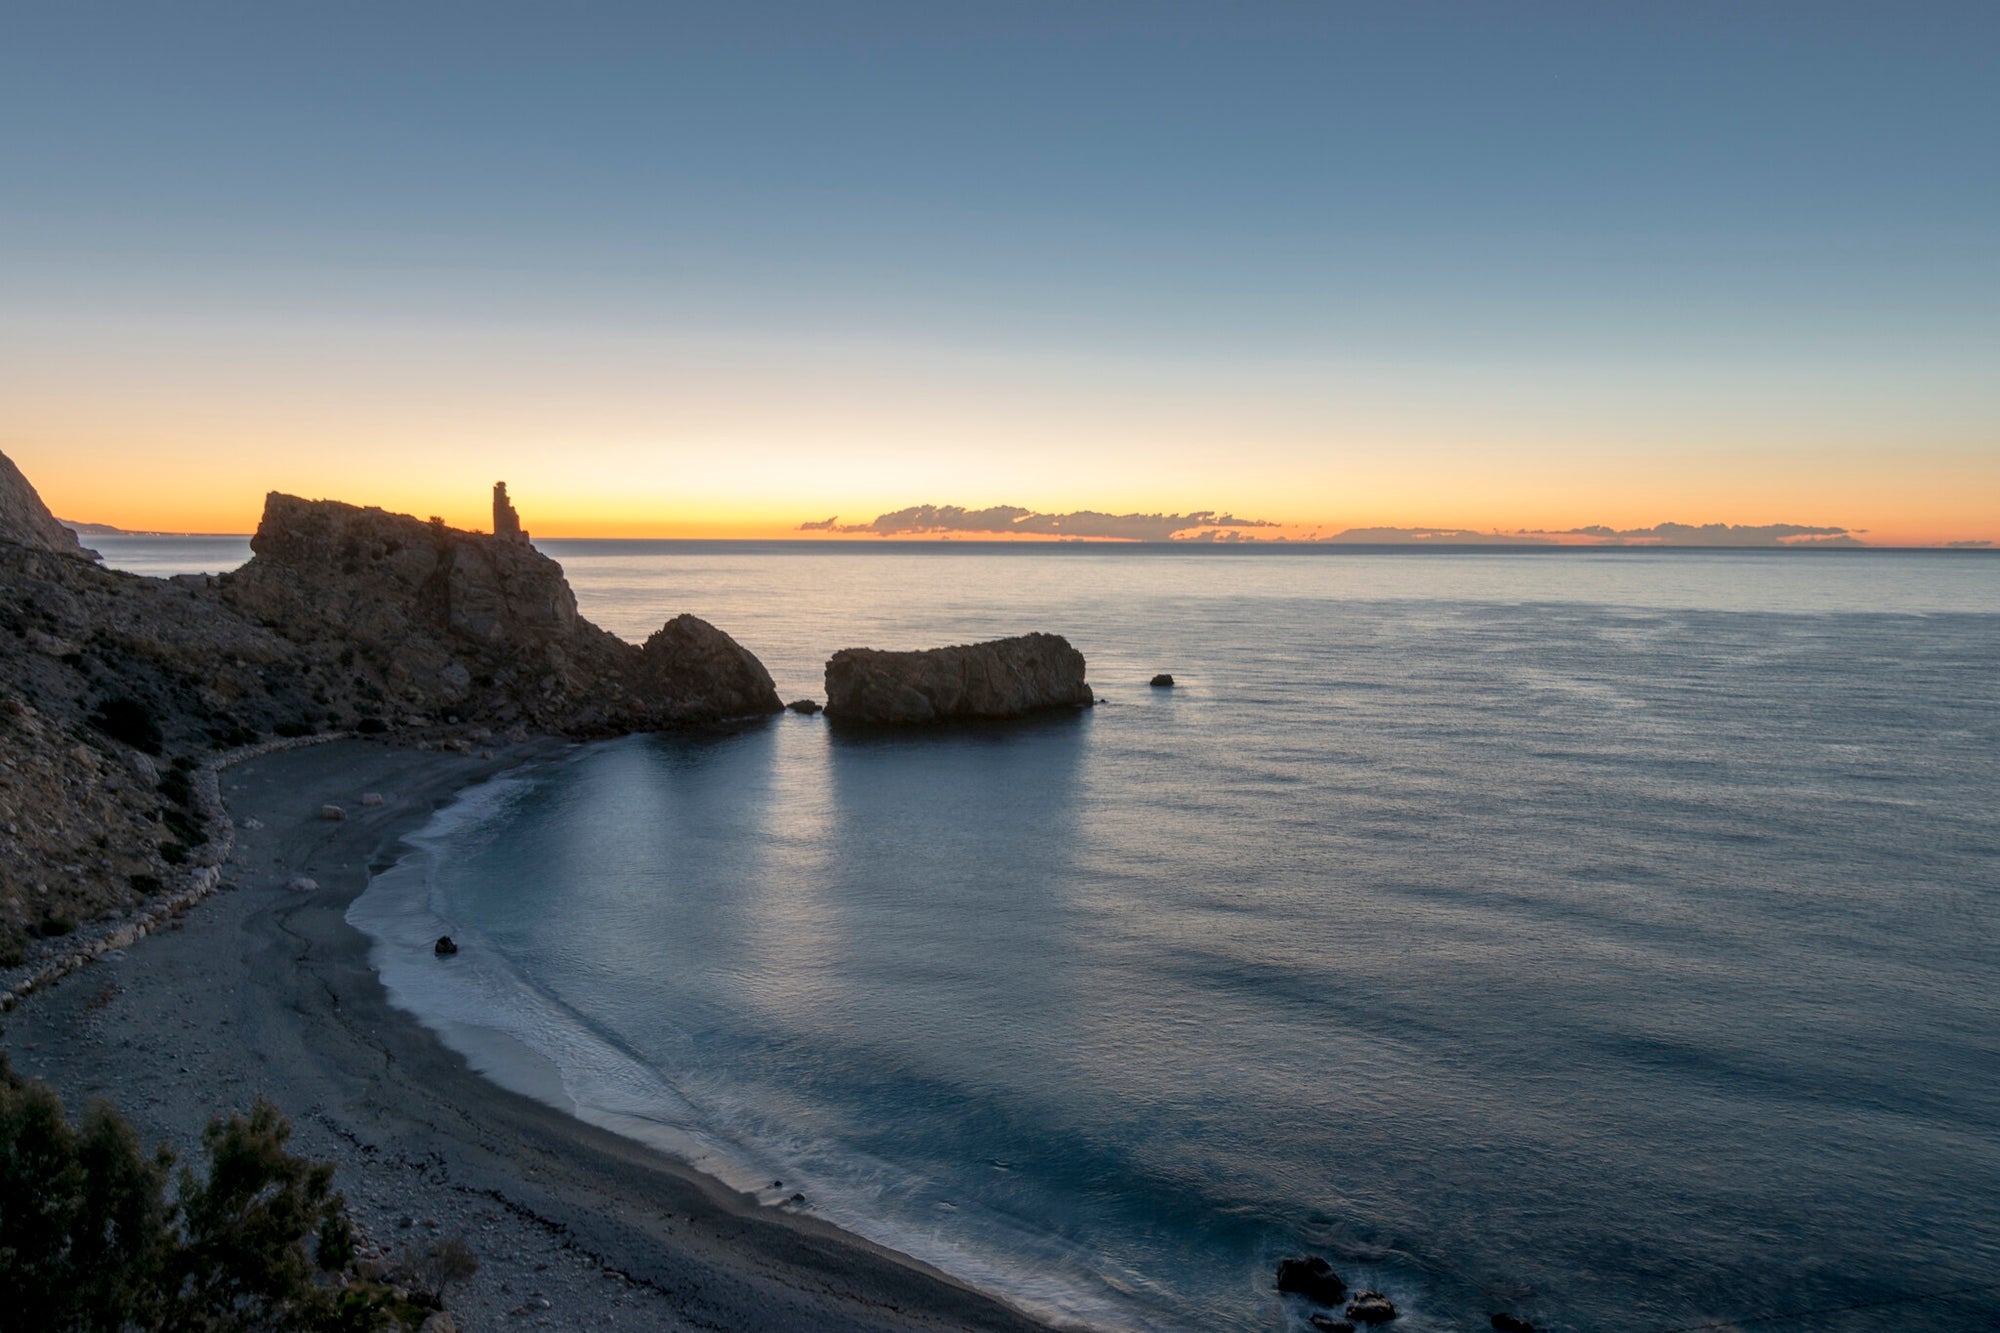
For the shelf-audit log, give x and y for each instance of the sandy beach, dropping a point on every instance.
(261, 989)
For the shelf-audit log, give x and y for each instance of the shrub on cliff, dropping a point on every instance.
(90, 1239)
(126, 719)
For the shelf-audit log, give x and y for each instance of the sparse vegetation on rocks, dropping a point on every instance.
(97, 1233)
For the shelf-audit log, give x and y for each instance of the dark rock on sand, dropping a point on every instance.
(1163, 681)
(1507, 1323)
(445, 947)
(1370, 1307)
(1003, 678)
(806, 706)
(1311, 1277)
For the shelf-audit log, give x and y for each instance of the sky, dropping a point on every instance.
(727, 270)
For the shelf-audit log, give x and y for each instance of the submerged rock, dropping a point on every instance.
(1003, 678)
(1507, 1323)
(1311, 1277)
(332, 812)
(445, 946)
(1370, 1307)
(1326, 1323)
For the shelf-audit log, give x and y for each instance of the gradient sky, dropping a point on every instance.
(714, 270)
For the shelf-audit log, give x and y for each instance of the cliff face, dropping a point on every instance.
(344, 618)
(1004, 678)
(427, 618)
(26, 521)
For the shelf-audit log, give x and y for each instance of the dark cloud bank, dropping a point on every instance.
(1206, 525)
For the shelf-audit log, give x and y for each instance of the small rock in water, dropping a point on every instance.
(332, 812)
(1326, 1323)
(1508, 1323)
(806, 706)
(1163, 681)
(300, 884)
(1370, 1307)
(445, 947)
(371, 798)
(1311, 1277)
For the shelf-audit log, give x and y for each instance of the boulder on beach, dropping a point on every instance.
(1311, 1277)
(1003, 678)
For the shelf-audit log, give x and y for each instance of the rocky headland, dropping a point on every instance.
(1003, 678)
(115, 689)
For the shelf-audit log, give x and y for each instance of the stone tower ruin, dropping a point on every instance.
(506, 523)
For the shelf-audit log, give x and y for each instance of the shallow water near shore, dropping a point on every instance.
(1605, 938)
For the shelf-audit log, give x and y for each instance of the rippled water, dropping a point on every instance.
(1606, 938)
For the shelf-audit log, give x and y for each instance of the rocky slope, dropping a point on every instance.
(1003, 678)
(112, 685)
(26, 521)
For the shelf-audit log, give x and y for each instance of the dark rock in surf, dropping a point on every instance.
(694, 672)
(1003, 678)
(1311, 1277)
(1370, 1307)
(1163, 681)
(1326, 1323)
(1507, 1323)
(445, 947)
(805, 706)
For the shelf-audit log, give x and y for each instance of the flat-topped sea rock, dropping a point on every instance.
(1003, 678)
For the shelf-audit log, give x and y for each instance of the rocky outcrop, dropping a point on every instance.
(698, 673)
(1005, 678)
(431, 620)
(26, 521)
(113, 687)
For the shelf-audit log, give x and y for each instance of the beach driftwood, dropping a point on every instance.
(1004, 678)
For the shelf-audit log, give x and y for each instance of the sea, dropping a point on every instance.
(1610, 938)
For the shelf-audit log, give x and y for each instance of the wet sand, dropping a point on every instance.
(263, 990)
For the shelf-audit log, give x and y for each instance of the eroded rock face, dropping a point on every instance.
(435, 620)
(26, 521)
(697, 672)
(1004, 678)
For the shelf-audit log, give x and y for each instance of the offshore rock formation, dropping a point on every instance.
(26, 521)
(1004, 678)
(113, 687)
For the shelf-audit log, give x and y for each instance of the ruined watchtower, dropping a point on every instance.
(506, 523)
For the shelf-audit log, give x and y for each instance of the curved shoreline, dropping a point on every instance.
(265, 990)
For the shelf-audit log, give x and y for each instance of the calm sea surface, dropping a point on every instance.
(1609, 938)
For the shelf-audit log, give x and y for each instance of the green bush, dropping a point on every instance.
(91, 1240)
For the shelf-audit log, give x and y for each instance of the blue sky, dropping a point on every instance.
(1655, 235)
